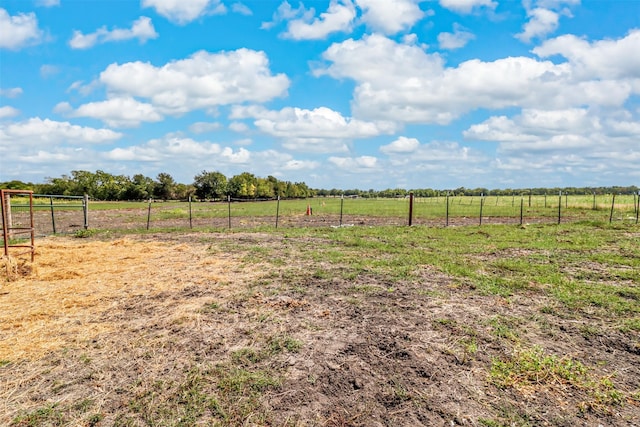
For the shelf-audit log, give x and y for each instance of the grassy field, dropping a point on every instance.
(499, 325)
(510, 209)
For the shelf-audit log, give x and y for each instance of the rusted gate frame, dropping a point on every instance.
(8, 230)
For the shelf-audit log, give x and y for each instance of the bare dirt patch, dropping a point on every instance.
(184, 330)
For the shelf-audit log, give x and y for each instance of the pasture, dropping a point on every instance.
(498, 325)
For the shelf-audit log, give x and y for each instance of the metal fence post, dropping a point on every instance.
(85, 210)
(410, 209)
(277, 211)
(53, 218)
(149, 214)
(559, 207)
(613, 203)
(341, 206)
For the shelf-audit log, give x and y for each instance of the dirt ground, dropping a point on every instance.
(134, 331)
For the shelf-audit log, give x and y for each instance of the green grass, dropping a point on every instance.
(580, 266)
(532, 367)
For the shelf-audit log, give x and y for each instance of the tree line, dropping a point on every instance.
(102, 185)
(215, 185)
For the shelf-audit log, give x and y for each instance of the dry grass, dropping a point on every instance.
(63, 298)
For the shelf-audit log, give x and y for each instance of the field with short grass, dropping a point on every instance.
(499, 325)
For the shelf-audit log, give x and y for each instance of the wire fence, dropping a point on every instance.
(54, 214)
(343, 211)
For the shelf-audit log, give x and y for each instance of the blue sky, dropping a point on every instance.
(338, 94)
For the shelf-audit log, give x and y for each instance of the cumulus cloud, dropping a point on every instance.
(355, 164)
(544, 18)
(115, 112)
(19, 30)
(467, 6)
(202, 81)
(338, 18)
(318, 130)
(184, 11)
(141, 29)
(36, 131)
(204, 127)
(459, 38)
(403, 83)
(401, 145)
(390, 16)
(8, 111)
(604, 59)
(573, 142)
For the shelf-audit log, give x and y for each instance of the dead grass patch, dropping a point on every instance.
(61, 299)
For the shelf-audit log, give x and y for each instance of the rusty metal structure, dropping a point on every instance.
(12, 230)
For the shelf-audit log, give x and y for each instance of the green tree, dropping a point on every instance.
(210, 185)
(165, 187)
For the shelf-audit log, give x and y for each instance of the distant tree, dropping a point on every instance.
(165, 187)
(16, 185)
(210, 185)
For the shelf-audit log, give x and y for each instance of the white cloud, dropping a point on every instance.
(467, 6)
(185, 150)
(318, 130)
(576, 142)
(8, 111)
(390, 16)
(184, 11)
(403, 83)
(401, 145)
(242, 9)
(13, 92)
(604, 59)
(202, 81)
(296, 165)
(459, 38)
(338, 18)
(285, 13)
(355, 164)
(541, 22)
(238, 127)
(544, 18)
(116, 112)
(204, 127)
(141, 29)
(35, 131)
(19, 30)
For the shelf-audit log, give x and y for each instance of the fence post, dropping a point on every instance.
(190, 215)
(341, 206)
(53, 217)
(277, 210)
(638, 207)
(447, 210)
(521, 210)
(7, 219)
(410, 208)
(481, 205)
(149, 214)
(595, 207)
(559, 206)
(85, 210)
(613, 202)
(229, 203)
